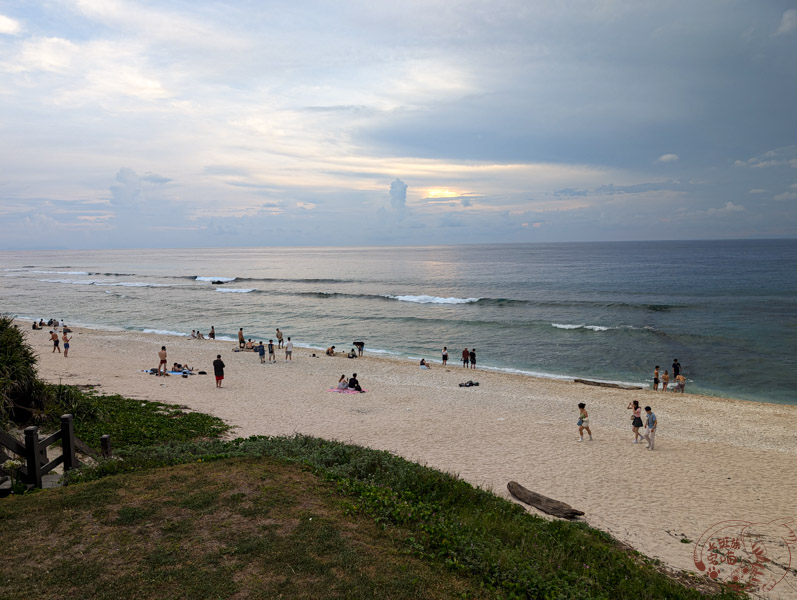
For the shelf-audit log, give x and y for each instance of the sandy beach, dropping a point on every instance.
(715, 459)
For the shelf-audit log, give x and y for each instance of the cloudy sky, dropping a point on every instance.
(190, 123)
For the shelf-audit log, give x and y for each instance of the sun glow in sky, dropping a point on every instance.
(165, 123)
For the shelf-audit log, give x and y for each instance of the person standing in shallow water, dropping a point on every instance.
(465, 358)
(583, 422)
(665, 379)
(445, 355)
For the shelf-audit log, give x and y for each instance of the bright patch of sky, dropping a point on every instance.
(160, 124)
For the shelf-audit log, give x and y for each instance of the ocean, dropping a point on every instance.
(608, 311)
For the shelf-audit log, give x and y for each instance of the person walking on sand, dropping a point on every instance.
(289, 350)
(650, 429)
(218, 370)
(583, 422)
(55, 341)
(279, 338)
(66, 344)
(445, 355)
(465, 358)
(271, 356)
(656, 378)
(241, 340)
(261, 350)
(665, 379)
(472, 358)
(636, 420)
(162, 363)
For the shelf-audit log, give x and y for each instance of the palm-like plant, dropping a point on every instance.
(22, 394)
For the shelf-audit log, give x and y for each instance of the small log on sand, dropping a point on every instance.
(616, 386)
(543, 503)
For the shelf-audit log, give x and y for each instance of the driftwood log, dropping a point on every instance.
(616, 386)
(543, 503)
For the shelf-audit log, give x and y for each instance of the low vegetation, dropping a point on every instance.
(178, 513)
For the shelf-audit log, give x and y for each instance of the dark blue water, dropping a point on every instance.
(726, 309)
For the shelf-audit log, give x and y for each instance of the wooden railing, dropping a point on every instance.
(34, 451)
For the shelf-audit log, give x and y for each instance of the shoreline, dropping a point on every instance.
(716, 458)
(393, 355)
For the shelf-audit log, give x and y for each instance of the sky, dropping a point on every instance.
(182, 123)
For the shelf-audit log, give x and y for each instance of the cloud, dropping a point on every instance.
(757, 191)
(729, 207)
(9, 26)
(773, 158)
(667, 158)
(570, 192)
(788, 22)
(398, 195)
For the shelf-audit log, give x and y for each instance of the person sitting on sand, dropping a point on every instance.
(354, 384)
(352, 353)
(424, 364)
(250, 345)
(36, 325)
(193, 334)
(583, 422)
(636, 420)
(331, 351)
(199, 335)
(343, 383)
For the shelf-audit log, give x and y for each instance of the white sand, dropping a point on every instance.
(715, 459)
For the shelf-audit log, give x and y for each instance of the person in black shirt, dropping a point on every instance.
(354, 384)
(676, 368)
(218, 370)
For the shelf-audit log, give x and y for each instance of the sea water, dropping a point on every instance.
(609, 311)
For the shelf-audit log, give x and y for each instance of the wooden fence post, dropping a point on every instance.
(105, 443)
(68, 442)
(32, 456)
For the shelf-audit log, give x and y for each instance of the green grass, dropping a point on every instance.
(443, 521)
(237, 528)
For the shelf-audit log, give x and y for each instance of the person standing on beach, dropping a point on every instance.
(473, 358)
(676, 368)
(583, 422)
(279, 338)
(55, 341)
(218, 370)
(650, 429)
(66, 345)
(445, 355)
(212, 334)
(665, 379)
(636, 420)
(656, 378)
(679, 379)
(289, 350)
(261, 350)
(241, 341)
(162, 363)
(465, 358)
(271, 356)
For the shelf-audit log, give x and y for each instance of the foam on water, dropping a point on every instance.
(433, 299)
(224, 279)
(235, 290)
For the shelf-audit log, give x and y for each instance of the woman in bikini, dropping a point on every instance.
(583, 422)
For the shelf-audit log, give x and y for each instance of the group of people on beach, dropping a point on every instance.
(677, 374)
(260, 348)
(351, 383)
(468, 357)
(54, 337)
(649, 425)
(197, 335)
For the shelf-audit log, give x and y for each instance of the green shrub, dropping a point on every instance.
(22, 395)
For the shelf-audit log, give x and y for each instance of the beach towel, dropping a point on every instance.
(346, 391)
(180, 372)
